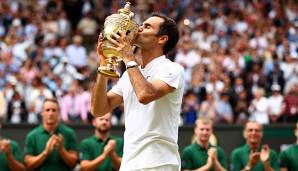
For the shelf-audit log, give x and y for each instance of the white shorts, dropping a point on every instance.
(161, 168)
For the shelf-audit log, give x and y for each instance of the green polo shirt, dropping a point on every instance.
(289, 157)
(195, 156)
(92, 147)
(240, 158)
(16, 152)
(36, 142)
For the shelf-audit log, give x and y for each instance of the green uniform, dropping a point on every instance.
(289, 157)
(16, 152)
(240, 158)
(195, 156)
(36, 142)
(92, 147)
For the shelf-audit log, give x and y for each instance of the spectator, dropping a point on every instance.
(37, 93)
(73, 106)
(259, 107)
(208, 107)
(187, 56)
(288, 66)
(51, 50)
(16, 110)
(76, 53)
(288, 158)
(197, 83)
(88, 27)
(241, 108)
(254, 156)
(10, 88)
(255, 77)
(223, 109)
(29, 71)
(64, 24)
(11, 157)
(190, 107)
(102, 151)
(276, 106)
(275, 76)
(52, 145)
(67, 72)
(291, 104)
(201, 155)
(85, 94)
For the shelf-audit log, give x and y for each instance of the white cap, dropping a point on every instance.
(12, 80)
(16, 22)
(275, 87)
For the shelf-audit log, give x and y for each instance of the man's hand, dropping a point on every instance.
(50, 145)
(123, 46)
(109, 148)
(254, 157)
(265, 153)
(102, 58)
(5, 147)
(59, 142)
(209, 163)
(212, 153)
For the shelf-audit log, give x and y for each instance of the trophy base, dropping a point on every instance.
(108, 72)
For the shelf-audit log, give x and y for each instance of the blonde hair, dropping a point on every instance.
(204, 120)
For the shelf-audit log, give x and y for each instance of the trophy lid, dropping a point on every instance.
(126, 10)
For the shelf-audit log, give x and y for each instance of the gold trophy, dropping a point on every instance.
(115, 23)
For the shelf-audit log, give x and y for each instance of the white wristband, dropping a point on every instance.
(131, 64)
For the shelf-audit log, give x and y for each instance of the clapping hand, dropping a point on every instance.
(212, 153)
(5, 146)
(265, 153)
(254, 157)
(110, 147)
(59, 141)
(50, 145)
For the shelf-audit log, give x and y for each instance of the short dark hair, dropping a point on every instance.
(168, 27)
(53, 100)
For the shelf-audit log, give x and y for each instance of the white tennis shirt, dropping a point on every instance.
(151, 131)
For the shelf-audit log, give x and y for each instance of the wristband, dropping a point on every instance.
(131, 64)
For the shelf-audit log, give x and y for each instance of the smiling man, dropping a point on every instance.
(152, 105)
(254, 156)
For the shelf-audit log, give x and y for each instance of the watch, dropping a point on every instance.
(131, 64)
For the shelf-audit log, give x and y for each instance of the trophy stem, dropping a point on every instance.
(109, 70)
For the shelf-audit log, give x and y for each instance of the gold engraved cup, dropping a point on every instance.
(120, 22)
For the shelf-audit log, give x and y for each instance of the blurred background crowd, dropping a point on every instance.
(240, 57)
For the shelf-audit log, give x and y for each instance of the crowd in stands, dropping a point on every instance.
(240, 57)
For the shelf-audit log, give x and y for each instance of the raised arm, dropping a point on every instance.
(101, 101)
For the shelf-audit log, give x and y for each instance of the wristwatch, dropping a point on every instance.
(131, 64)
